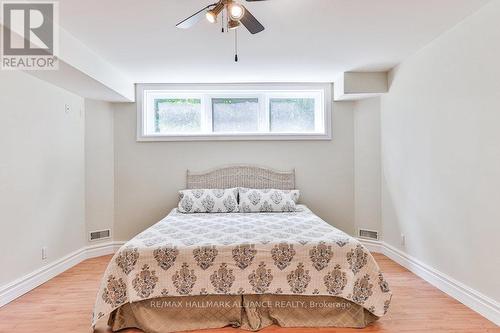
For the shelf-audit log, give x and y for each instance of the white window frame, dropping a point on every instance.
(264, 91)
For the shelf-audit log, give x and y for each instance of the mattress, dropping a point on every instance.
(293, 253)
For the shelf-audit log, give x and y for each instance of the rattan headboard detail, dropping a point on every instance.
(242, 176)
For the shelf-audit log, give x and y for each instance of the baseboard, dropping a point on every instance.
(466, 295)
(372, 245)
(19, 287)
(102, 249)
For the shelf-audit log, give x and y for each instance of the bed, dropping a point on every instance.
(247, 270)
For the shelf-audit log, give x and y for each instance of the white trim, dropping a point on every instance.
(19, 287)
(103, 249)
(237, 137)
(326, 108)
(372, 245)
(466, 295)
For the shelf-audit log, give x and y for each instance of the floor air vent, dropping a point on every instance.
(101, 234)
(370, 234)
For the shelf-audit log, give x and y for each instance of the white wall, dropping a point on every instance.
(367, 187)
(441, 153)
(99, 166)
(41, 173)
(148, 175)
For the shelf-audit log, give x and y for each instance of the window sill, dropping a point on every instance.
(236, 137)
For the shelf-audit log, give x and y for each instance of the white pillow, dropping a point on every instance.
(267, 200)
(208, 201)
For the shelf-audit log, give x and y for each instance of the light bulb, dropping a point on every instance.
(236, 11)
(212, 14)
(211, 17)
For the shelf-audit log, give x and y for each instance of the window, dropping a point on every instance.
(177, 115)
(292, 114)
(235, 115)
(234, 112)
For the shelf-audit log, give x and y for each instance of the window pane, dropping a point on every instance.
(235, 114)
(177, 115)
(292, 114)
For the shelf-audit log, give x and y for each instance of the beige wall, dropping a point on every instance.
(41, 174)
(99, 166)
(148, 175)
(441, 153)
(367, 196)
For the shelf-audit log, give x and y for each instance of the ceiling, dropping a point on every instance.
(304, 40)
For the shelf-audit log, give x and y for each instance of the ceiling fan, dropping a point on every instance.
(236, 14)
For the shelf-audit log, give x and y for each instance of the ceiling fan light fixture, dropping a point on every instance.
(211, 17)
(212, 14)
(236, 11)
(233, 24)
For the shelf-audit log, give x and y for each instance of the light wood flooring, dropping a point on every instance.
(64, 304)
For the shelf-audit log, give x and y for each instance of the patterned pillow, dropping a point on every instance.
(209, 201)
(267, 200)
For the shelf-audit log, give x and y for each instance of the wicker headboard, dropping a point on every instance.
(242, 176)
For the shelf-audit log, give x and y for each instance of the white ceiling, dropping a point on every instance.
(304, 40)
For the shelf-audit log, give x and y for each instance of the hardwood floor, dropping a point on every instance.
(64, 304)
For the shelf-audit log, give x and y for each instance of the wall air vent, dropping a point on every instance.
(368, 234)
(101, 234)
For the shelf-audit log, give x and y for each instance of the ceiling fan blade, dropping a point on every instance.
(193, 19)
(251, 23)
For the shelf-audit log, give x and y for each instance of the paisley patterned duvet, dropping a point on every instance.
(242, 253)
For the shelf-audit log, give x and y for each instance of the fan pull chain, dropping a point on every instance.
(222, 22)
(235, 45)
